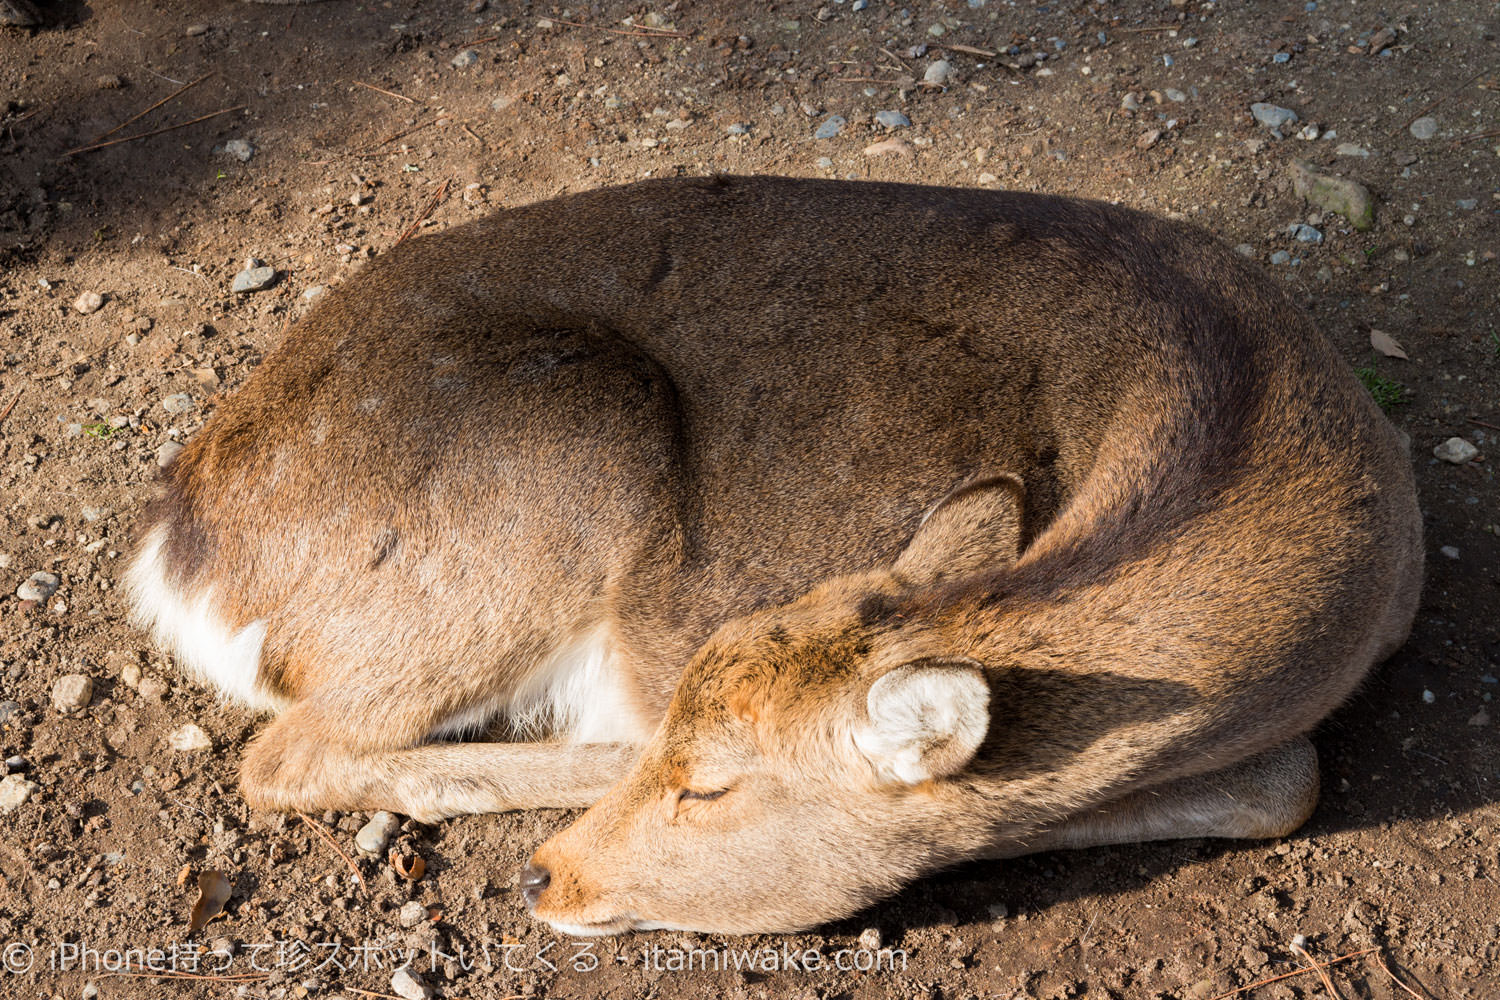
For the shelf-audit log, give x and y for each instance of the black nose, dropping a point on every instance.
(533, 881)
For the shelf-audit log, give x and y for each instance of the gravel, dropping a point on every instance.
(373, 837)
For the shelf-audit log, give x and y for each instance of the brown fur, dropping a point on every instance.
(716, 421)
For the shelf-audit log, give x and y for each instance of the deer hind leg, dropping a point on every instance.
(306, 760)
(1267, 795)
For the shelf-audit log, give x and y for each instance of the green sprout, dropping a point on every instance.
(1387, 392)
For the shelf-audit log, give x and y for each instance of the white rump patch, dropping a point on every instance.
(578, 696)
(191, 627)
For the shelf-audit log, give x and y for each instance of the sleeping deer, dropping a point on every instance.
(815, 535)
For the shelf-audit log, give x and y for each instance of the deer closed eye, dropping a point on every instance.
(687, 795)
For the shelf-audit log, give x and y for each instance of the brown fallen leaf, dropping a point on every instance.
(412, 869)
(213, 893)
(897, 146)
(184, 875)
(1386, 344)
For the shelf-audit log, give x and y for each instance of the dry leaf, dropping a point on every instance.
(213, 893)
(897, 146)
(1386, 344)
(412, 870)
(184, 875)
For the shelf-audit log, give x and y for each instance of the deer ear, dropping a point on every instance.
(976, 527)
(926, 720)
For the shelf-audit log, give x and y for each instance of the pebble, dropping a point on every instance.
(412, 914)
(1334, 194)
(830, 128)
(1424, 128)
(38, 586)
(892, 119)
(189, 737)
(824, 163)
(938, 72)
(374, 835)
(166, 453)
(1273, 117)
(9, 710)
(1281, 257)
(178, 402)
(196, 30)
(1456, 451)
(1428, 697)
(1350, 149)
(1309, 133)
(465, 59)
(1467, 204)
(739, 128)
(71, 692)
(1479, 719)
(254, 278)
(153, 688)
(1304, 233)
(88, 302)
(16, 764)
(1175, 96)
(240, 149)
(409, 986)
(14, 791)
(502, 102)
(1450, 552)
(870, 939)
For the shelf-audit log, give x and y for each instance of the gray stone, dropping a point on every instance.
(938, 72)
(168, 451)
(1450, 552)
(152, 688)
(1467, 204)
(178, 402)
(830, 128)
(373, 837)
(1281, 257)
(1334, 194)
(254, 279)
(892, 119)
(1456, 451)
(1304, 233)
(1350, 149)
(870, 939)
(412, 914)
(464, 59)
(88, 302)
(71, 692)
(14, 791)
(38, 586)
(1424, 128)
(9, 710)
(16, 764)
(409, 986)
(738, 128)
(1174, 95)
(240, 149)
(1272, 116)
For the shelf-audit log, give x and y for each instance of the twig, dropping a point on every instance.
(1322, 974)
(176, 93)
(894, 56)
(415, 128)
(473, 135)
(387, 93)
(159, 131)
(486, 38)
(12, 404)
(1290, 975)
(1380, 961)
(859, 79)
(1477, 136)
(426, 211)
(969, 50)
(318, 829)
(644, 32)
(238, 977)
(1452, 93)
(1472, 420)
(1159, 27)
(371, 993)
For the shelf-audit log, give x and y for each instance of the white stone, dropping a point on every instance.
(14, 791)
(71, 692)
(189, 737)
(409, 985)
(1456, 450)
(374, 835)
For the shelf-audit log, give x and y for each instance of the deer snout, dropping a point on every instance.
(533, 881)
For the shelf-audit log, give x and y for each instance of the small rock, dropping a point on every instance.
(1479, 719)
(240, 149)
(1272, 116)
(168, 451)
(1467, 204)
(464, 59)
(1424, 128)
(178, 402)
(1428, 697)
(1334, 194)
(222, 947)
(14, 791)
(152, 688)
(9, 710)
(738, 128)
(88, 302)
(1350, 149)
(109, 81)
(1281, 257)
(830, 128)
(1309, 133)
(409, 985)
(938, 72)
(1456, 451)
(190, 738)
(892, 119)
(1304, 233)
(501, 103)
(1449, 552)
(254, 279)
(16, 764)
(374, 835)
(412, 914)
(870, 939)
(71, 692)
(197, 30)
(38, 586)
(1148, 139)
(1176, 96)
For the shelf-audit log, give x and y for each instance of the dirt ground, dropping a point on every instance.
(365, 117)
